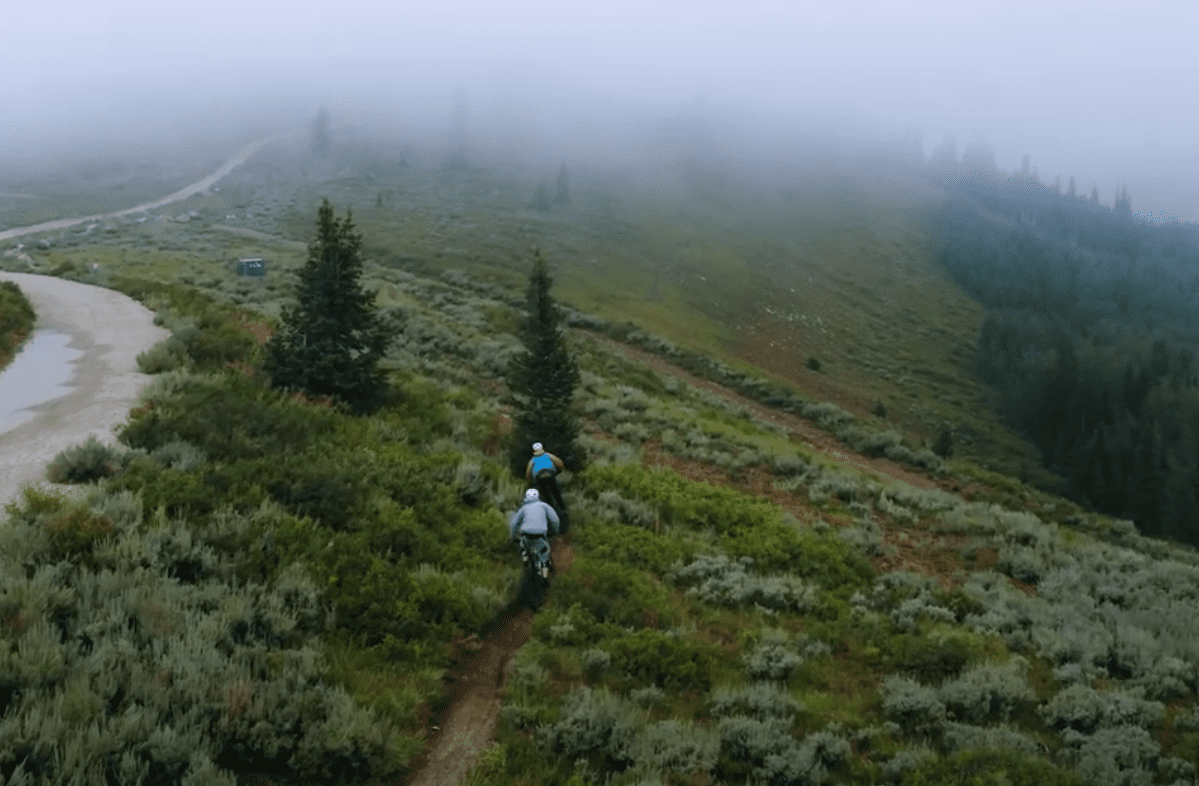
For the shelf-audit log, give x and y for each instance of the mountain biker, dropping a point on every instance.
(533, 519)
(532, 526)
(542, 472)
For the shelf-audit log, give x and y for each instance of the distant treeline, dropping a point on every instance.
(1090, 340)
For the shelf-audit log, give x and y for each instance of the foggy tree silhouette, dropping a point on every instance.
(541, 200)
(321, 141)
(944, 158)
(460, 141)
(1122, 208)
(562, 195)
(332, 338)
(542, 379)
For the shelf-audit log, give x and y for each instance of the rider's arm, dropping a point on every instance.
(551, 517)
(514, 523)
(529, 471)
(557, 462)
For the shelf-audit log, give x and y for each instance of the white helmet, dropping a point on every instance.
(538, 446)
(532, 494)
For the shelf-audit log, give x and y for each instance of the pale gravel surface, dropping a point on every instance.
(111, 329)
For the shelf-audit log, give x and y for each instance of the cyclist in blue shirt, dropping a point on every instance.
(542, 472)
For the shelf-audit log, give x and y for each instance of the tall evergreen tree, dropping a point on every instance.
(1123, 205)
(562, 195)
(321, 142)
(542, 379)
(541, 200)
(332, 338)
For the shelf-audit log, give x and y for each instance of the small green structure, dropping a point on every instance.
(251, 267)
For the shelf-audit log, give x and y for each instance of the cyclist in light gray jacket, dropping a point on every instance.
(534, 518)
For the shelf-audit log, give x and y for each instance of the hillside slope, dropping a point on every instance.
(746, 602)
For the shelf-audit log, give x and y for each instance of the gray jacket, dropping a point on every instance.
(533, 518)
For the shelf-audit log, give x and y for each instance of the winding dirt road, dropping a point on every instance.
(199, 186)
(111, 330)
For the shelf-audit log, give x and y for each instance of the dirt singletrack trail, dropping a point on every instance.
(467, 726)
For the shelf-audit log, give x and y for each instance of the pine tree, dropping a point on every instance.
(332, 338)
(542, 379)
(321, 142)
(541, 200)
(1123, 205)
(562, 196)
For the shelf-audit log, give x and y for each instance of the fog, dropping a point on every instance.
(1098, 91)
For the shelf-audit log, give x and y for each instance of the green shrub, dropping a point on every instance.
(1085, 709)
(610, 508)
(178, 675)
(757, 700)
(988, 767)
(683, 502)
(926, 658)
(167, 355)
(964, 736)
(631, 546)
(227, 417)
(1112, 756)
(612, 593)
(327, 491)
(719, 580)
(211, 333)
(17, 316)
(988, 691)
(593, 721)
(195, 493)
(84, 463)
(220, 341)
(575, 627)
(865, 536)
(668, 661)
(595, 662)
(915, 707)
(822, 558)
(673, 746)
(49, 528)
(180, 455)
(774, 657)
(764, 750)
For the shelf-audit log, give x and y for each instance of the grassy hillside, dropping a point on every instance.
(830, 269)
(740, 607)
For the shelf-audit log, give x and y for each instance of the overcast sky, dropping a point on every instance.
(1103, 91)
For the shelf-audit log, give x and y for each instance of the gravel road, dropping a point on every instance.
(111, 330)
